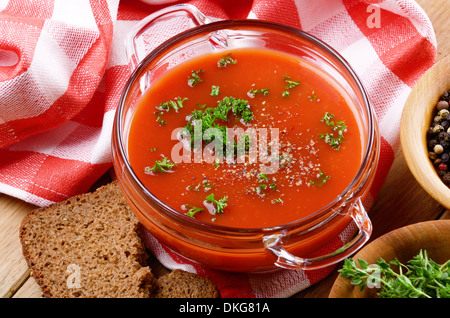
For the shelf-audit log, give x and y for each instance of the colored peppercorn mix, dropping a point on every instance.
(438, 138)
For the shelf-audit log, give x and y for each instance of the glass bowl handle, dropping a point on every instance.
(136, 44)
(288, 261)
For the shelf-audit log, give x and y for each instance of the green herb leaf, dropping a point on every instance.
(205, 183)
(215, 90)
(161, 166)
(192, 210)
(420, 277)
(290, 83)
(320, 180)
(253, 92)
(219, 205)
(225, 61)
(339, 128)
(171, 104)
(161, 121)
(195, 78)
(312, 97)
(279, 201)
(217, 117)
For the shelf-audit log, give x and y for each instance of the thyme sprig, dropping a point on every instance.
(420, 277)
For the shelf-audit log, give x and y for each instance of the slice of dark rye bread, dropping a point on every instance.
(182, 284)
(89, 246)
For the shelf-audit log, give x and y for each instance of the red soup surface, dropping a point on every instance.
(301, 148)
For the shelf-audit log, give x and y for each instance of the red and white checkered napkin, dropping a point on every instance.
(63, 67)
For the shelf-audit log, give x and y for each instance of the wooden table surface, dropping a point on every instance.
(400, 202)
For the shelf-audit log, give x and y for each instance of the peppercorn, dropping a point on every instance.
(446, 178)
(432, 143)
(438, 149)
(444, 143)
(442, 104)
(437, 128)
(438, 138)
(443, 113)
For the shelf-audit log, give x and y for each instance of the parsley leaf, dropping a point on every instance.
(161, 166)
(219, 205)
(290, 84)
(213, 117)
(253, 92)
(215, 90)
(195, 78)
(339, 127)
(172, 104)
(320, 180)
(192, 210)
(225, 61)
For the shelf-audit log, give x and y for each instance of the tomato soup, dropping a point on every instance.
(300, 149)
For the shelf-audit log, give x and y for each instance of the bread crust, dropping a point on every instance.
(89, 246)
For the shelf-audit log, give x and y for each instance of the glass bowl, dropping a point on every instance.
(291, 246)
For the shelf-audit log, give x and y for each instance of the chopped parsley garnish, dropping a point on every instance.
(320, 180)
(253, 92)
(215, 90)
(290, 84)
(219, 205)
(161, 166)
(167, 106)
(240, 108)
(225, 61)
(312, 97)
(161, 121)
(338, 127)
(279, 201)
(260, 189)
(205, 183)
(171, 104)
(194, 78)
(212, 117)
(192, 210)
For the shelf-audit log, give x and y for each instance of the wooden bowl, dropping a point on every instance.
(416, 119)
(403, 243)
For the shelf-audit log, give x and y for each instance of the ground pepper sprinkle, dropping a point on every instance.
(438, 138)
